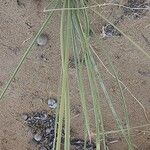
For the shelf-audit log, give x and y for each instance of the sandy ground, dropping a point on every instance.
(38, 78)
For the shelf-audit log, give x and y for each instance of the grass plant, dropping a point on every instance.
(74, 39)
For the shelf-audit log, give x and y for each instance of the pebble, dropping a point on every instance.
(37, 137)
(52, 103)
(109, 31)
(42, 40)
(48, 130)
(24, 117)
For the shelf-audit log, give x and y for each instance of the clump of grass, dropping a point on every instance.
(74, 32)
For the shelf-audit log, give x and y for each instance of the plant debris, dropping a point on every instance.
(42, 127)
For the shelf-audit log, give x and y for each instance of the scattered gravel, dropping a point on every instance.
(132, 8)
(41, 125)
(136, 13)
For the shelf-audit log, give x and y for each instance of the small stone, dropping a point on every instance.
(42, 39)
(48, 130)
(37, 137)
(44, 117)
(109, 31)
(24, 117)
(52, 103)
